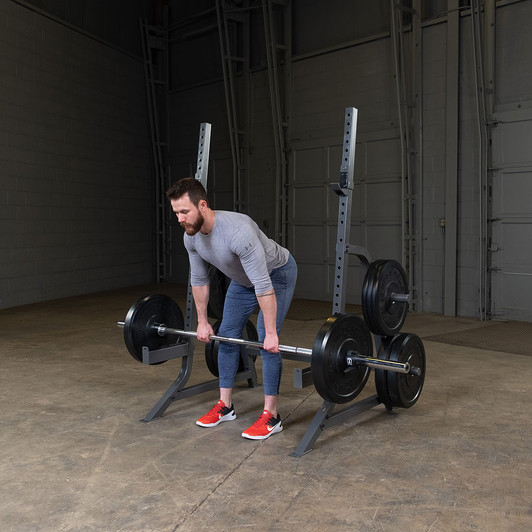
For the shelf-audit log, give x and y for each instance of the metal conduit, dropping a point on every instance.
(480, 93)
(404, 132)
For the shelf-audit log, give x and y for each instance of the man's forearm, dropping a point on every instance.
(268, 305)
(201, 299)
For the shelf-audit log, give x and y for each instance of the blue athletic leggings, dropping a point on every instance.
(240, 302)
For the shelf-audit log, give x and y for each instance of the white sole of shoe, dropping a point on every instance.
(277, 428)
(227, 417)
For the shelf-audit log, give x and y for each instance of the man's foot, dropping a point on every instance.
(264, 427)
(218, 413)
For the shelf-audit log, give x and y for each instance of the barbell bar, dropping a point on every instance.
(302, 353)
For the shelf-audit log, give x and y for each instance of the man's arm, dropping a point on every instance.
(246, 245)
(201, 299)
(268, 305)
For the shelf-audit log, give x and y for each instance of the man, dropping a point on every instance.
(261, 271)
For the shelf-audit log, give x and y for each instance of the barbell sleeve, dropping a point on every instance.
(400, 298)
(377, 363)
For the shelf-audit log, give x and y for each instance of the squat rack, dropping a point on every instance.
(325, 417)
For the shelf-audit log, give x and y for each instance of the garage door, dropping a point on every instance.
(313, 210)
(511, 243)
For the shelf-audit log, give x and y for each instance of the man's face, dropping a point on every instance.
(188, 215)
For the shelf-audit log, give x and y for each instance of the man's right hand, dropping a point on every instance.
(204, 332)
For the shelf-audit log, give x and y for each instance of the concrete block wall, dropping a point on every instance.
(187, 109)
(114, 21)
(262, 196)
(258, 195)
(75, 167)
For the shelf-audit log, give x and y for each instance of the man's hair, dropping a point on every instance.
(189, 186)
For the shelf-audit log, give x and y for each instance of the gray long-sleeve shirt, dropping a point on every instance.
(238, 248)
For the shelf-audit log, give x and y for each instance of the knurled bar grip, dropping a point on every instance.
(305, 353)
(162, 330)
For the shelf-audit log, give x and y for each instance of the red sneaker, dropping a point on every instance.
(264, 427)
(218, 413)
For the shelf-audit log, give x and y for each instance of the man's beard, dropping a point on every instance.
(192, 229)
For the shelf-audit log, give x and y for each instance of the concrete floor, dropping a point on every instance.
(75, 457)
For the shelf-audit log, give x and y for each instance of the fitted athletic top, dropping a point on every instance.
(238, 248)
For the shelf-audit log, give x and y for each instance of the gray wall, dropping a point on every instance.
(113, 21)
(434, 98)
(337, 62)
(322, 86)
(75, 168)
(510, 250)
(509, 227)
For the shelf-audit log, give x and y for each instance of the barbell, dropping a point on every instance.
(340, 358)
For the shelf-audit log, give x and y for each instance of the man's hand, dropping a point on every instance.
(271, 343)
(201, 298)
(268, 305)
(204, 332)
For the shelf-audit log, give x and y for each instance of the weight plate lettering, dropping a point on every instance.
(383, 314)
(211, 349)
(138, 326)
(334, 380)
(404, 389)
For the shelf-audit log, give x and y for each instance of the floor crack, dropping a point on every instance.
(217, 487)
